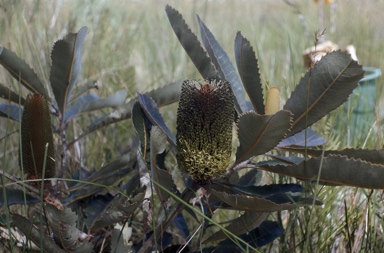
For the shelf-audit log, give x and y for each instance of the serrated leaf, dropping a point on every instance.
(150, 108)
(224, 66)
(95, 207)
(375, 156)
(305, 138)
(66, 66)
(282, 160)
(65, 233)
(22, 72)
(191, 44)
(35, 235)
(11, 111)
(158, 144)
(118, 211)
(323, 88)
(7, 94)
(252, 203)
(260, 133)
(114, 100)
(248, 68)
(335, 170)
(163, 96)
(16, 196)
(265, 191)
(266, 233)
(245, 223)
(142, 127)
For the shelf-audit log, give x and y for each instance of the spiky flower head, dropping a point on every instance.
(37, 147)
(204, 128)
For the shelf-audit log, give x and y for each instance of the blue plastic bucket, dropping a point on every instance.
(359, 111)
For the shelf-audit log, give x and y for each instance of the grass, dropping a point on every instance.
(131, 46)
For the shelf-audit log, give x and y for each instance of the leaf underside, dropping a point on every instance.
(224, 66)
(151, 109)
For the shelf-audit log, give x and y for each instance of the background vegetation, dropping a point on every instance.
(131, 46)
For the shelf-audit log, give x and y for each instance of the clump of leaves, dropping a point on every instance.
(261, 129)
(42, 116)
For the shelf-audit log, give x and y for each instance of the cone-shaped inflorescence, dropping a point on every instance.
(204, 129)
(36, 138)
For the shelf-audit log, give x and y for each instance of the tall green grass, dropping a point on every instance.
(131, 46)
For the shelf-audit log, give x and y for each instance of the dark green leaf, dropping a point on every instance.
(266, 233)
(241, 225)
(161, 177)
(265, 191)
(35, 235)
(22, 72)
(163, 96)
(16, 196)
(191, 44)
(248, 69)
(12, 111)
(323, 89)
(117, 242)
(305, 138)
(119, 211)
(66, 66)
(143, 127)
(282, 160)
(260, 133)
(252, 203)
(150, 108)
(375, 156)
(224, 66)
(335, 170)
(109, 175)
(181, 224)
(7, 94)
(95, 207)
(63, 225)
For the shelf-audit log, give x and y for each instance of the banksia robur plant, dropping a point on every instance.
(204, 128)
(37, 148)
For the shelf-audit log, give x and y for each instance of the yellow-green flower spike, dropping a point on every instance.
(204, 129)
(36, 138)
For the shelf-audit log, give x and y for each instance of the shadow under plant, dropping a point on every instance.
(84, 217)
